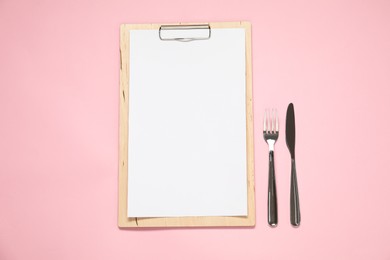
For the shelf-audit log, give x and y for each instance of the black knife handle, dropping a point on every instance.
(272, 201)
(295, 213)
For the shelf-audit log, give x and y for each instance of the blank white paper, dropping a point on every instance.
(187, 126)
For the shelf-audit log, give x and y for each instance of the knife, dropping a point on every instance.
(295, 214)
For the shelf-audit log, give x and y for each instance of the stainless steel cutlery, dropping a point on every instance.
(295, 213)
(271, 134)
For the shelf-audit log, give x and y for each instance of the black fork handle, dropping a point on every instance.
(272, 200)
(295, 213)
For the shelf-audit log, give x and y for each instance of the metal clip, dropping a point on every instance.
(177, 32)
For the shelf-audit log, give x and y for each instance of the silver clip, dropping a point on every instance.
(178, 34)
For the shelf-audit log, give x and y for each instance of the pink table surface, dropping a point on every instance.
(59, 81)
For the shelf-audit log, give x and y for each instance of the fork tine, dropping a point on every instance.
(277, 120)
(268, 121)
(265, 121)
(272, 120)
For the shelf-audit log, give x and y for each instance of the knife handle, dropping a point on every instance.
(295, 213)
(272, 201)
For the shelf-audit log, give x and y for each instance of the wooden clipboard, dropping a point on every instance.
(208, 221)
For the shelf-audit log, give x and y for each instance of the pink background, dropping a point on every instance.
(59, 81)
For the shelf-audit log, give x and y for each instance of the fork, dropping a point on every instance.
(271, 134)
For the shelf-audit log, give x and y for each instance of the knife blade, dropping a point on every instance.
(290, 130)
(295, 214)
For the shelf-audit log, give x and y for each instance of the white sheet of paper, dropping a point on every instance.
(187, 126)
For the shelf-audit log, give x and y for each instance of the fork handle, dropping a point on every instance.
(272, 201)
(295, 213)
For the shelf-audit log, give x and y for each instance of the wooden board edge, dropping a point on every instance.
(166, 222)
(123, 220)
(250, 128)
(154, 26)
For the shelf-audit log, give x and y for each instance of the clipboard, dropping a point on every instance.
(188, 221)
